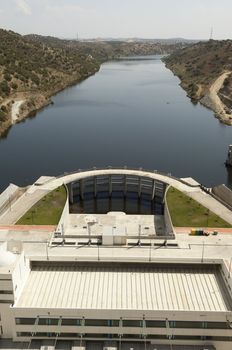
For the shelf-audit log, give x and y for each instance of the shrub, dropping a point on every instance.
(14, 86)
(7, 77)
(3, 109)
(4, 88)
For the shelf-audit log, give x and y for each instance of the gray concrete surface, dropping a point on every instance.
(37, 191)
(21, 206)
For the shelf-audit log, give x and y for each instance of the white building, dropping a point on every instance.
(156, 303)
(114, 285)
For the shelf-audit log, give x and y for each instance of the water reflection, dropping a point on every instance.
(129, 204)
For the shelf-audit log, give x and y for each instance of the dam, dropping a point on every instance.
(128, 193)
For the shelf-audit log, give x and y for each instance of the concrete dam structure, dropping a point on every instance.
(127, 193)
(113, 280)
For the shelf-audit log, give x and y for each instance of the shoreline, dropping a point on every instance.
(207, 96)
(20, 108)
(213, 101)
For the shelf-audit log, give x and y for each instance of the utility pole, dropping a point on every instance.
(211, 34)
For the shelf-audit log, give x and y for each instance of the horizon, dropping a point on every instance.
(147, 19)
(104, 38)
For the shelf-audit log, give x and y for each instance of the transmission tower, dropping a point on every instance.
(211, 34)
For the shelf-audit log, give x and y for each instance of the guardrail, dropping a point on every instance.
(130, 169)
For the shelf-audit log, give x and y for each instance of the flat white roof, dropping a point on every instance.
(176, 287)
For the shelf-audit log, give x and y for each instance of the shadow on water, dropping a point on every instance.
(129, 204)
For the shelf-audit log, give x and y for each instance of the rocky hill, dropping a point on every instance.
(33, 68)
(205, 71)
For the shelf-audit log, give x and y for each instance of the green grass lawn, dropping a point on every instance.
(47, 211)
(185, 211)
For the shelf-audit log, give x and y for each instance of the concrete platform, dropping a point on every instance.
(134, 224)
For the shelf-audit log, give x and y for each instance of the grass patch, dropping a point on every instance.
(47, 211)
(185, 211)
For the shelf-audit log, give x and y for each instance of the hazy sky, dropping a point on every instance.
(119, 18)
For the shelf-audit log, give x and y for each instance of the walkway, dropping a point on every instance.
(23, 204)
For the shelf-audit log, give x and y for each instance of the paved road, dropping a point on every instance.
(21, 206)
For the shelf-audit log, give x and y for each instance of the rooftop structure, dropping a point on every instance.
(115, 280)
(70, 286)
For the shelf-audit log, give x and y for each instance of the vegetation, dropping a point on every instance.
(199, 65)
(186, 212)
(28, 64)
(33, 67)
(47, 211)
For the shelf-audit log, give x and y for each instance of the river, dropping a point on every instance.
(132, 112)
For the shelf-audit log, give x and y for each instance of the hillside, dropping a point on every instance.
(33, 68)
(31, 72)
(205, 71)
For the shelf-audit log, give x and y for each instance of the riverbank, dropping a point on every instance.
(22, 105)
(47, 65)
(205, 72)
(213, 101)
(208, 96)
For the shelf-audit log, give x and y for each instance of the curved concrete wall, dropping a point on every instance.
(155, 175)
(142, 185)
(167, 216)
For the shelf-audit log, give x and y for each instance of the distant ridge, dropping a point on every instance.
(152, 40)
(33, 68)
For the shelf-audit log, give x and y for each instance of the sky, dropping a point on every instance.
(191, 19)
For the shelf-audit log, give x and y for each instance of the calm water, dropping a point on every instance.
(130, 113)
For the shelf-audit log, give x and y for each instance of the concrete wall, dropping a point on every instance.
(7, 321)
(125, 314)
(64, 220)
(117, 182)
(226, 269)
(167, 217)
(20, 275)
(12, 280)
(223, 193)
